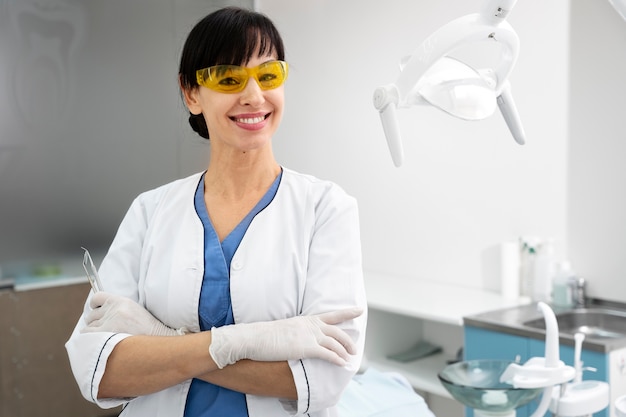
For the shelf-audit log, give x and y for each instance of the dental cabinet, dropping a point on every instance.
(35, 375)
(494, 335)
(481, 344)
(404, 312)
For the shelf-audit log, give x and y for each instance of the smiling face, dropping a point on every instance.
(228, 36)
(242, 121)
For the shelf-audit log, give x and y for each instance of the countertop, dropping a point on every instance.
(430, 300)
(37, 283)
(510, 321)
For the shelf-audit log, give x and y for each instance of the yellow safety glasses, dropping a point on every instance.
(233, 78)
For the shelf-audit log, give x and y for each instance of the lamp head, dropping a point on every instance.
(432, 76)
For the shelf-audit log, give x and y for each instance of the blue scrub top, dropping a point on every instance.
(215, 309)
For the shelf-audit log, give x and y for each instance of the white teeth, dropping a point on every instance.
(251, 120)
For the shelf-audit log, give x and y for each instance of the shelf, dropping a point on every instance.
(428, 300)
(421, 373)
(439, 303)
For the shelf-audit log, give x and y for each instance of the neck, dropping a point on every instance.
(237, 177)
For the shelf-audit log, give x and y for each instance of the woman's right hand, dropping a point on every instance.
(298, 337)
(117, 314)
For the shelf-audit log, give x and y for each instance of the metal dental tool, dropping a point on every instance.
(91, 271)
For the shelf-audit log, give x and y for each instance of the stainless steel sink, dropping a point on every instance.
(595, 323)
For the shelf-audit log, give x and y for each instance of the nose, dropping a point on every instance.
(252, 93)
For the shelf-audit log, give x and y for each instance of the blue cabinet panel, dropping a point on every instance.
(486, 344)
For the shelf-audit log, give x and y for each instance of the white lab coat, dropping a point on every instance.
(300, 255)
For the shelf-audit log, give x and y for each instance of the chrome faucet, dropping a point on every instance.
(577, 287)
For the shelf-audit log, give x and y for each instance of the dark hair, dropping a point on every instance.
(227, 36)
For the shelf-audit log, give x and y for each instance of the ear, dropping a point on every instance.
(192, 101)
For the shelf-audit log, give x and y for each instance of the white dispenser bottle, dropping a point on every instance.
(544, 269)
(528, 252)
(561, 290)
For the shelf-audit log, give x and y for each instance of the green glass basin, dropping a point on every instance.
(476, 384)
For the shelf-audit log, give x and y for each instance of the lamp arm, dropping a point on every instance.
(496, 11)
(505, 36)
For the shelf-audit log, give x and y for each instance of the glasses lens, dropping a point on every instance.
(271, 74)
(227, 78)
(233, 78)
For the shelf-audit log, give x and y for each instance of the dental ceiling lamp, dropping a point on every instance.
(620, 7)
(432, 76)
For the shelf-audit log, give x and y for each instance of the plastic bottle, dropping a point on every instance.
(528, 252)
(561, 290)
(510, 270)
(544, 271)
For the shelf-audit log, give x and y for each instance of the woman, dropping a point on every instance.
(254, 268)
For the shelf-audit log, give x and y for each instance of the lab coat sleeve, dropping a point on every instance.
(88, 352)
(334, 281)
(88, 355)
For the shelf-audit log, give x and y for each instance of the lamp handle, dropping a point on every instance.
(385, 101)
(510, 115)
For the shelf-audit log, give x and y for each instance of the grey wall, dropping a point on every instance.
(90, 116)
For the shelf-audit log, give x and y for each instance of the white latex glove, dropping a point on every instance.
(114, 313)
(294, 338)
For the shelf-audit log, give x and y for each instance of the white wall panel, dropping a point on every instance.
(597, 172)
